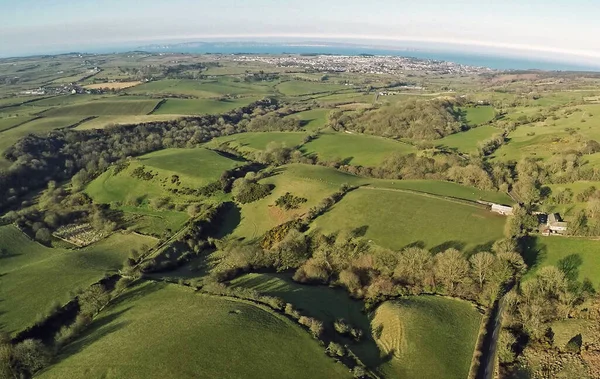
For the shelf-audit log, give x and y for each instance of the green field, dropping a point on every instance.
(201, 89)
(548, 251)
(104, 121)
(201, 106)
(468, 141)
(34, 277)
(10, 122)
(396, 219)
(355, 149)
(258, 140)
(427, 337)
(299, 87)
(192, 336)
(195, 167)
(479, 115)
(312, 119)
(103, 108)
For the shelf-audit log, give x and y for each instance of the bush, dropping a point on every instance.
(247, 192)
(31, 356)
(289, 201)
(336, 349)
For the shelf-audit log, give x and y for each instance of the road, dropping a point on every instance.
(490, 343)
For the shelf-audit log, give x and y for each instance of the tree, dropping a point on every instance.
(451, 268)
(413, 265)
(481, 266)
(92, 300)
(31, 355)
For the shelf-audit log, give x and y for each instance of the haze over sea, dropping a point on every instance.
(498, 62)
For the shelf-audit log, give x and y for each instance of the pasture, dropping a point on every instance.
(258, 140)
(112, 85)
(34, 277)
(479, 115)
(581, 256)
(201, 106)
(468, 141)
(300, 87)
(103, 108)
(396, 219)
(216, 332)
(102, 122)
(355, 149)
(313, 119)
(427, 337)
(11, 122)
(195, 168)
(202, 89)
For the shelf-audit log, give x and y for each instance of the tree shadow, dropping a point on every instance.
(458, 245)
(532, 250)
(479, 248)
(569, 265)
(418, 244)
(360, 231)
(232, 216)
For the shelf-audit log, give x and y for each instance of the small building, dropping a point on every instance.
(555, 224)
(502, 209)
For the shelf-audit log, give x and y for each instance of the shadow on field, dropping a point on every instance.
(479, 248)
(533, 251)
(458, 245)
(569, 265)
(232, 216)
(417, 244)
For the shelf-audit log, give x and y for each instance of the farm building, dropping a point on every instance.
(552, 224)
(502, 209)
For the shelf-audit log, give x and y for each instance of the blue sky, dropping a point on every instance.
(558, 29)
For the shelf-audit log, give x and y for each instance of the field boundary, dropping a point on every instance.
(157, 107)
(21, 124)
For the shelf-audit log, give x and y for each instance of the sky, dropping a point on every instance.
(565, 30)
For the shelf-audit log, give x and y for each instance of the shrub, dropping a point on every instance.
(289, 201)
(247, 192)
(31, 356)
(336, 349)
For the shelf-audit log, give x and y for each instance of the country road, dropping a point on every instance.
(490, 344)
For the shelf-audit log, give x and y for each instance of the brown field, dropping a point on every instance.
(113, 85)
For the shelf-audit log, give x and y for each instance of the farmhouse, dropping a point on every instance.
(552, 224)
(502, 209)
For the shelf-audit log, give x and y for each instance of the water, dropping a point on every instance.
(492, 61)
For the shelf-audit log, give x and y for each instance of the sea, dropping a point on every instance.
(471, 59)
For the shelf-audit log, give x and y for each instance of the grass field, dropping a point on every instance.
(195, 168)
(479, 115)
(9, 122)
(201, 106)
(355, 149)
(192, 336)
(258, 140)
(103, 108)
(396, 219)
(428, 337)
(113, 85)
(548, 251)
(313, 119)
(468, 141)
(34, 276)
(104, 121)
(202, 89)
(299, 87)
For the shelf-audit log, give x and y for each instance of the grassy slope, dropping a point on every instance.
(103, 108)
(356, 149)
(201, 89)
(104, 121)
(397, 219)
(9, 122)
(545, 251)
(429, 337)
(479, 115)
(201, 106)
(34, 276)
(298, 87)
(468, 141)
(259, 140)
(192, 336)
(313, 119)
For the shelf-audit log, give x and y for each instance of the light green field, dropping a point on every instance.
(322, 302)
(9, 122)
(355, 149)
(201, 89)
(103, 108)
(548, 251)
(192, 336)
(258, 140)
(201, 106)
(64, 100)
(479, 115)
(152, 222)
(313, 119)
(34, 276)
(427, 337)
(104, 121)
(544, 139)
(468, 141)
(195, 167)
(298, 87)
(397, 219)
